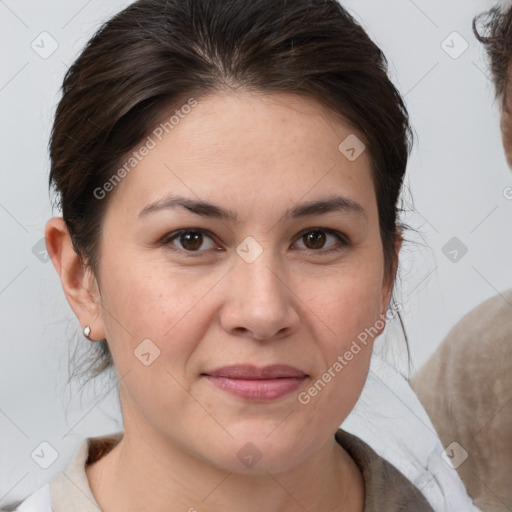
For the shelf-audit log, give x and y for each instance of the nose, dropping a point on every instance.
(260, 304)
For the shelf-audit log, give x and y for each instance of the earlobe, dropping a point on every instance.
(76, 279)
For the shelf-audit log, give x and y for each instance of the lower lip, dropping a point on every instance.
(263, 390)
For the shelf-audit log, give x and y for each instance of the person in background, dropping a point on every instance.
(466, 386)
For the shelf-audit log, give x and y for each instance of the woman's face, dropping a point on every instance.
(259, 277)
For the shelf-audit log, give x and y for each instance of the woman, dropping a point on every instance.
(228, 174)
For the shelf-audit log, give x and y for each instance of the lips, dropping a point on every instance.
(276, 371)
(257, 384)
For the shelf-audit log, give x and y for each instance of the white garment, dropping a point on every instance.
(389, 417)
(38, 501)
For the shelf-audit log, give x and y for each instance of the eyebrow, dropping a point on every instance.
(206, 209)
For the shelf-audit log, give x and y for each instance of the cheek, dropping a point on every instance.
(150, 304)
(349, 304)
(354, 319)
(349, 310)
(155, 304)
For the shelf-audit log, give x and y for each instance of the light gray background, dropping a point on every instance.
(457, 175)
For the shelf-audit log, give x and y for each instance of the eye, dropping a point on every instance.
(195, 241)
(189, 240)
(316, 238)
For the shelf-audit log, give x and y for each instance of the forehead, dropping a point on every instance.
(231, 124)
(267, 146)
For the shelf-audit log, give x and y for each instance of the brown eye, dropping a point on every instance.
(190, 240)
(315, 240)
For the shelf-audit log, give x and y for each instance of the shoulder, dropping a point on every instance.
(486, 328)
(471, 366)
(465, 388)
(469, 373)
(385, 487)
(70, 487)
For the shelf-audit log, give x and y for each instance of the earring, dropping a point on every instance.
(87, 331)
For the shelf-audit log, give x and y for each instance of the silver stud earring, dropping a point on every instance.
(87, 331)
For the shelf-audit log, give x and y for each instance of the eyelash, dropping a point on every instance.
(169, 238)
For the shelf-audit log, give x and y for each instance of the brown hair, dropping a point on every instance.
(495, 33)
(155, 54)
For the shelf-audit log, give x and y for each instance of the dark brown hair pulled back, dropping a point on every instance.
(154, 55)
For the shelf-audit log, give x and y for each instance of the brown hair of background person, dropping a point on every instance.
(494, 30)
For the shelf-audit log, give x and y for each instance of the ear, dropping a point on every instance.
(506, 131)
(78, 281)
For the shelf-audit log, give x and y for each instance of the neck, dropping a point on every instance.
(139, 475)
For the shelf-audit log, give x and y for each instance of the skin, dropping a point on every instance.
(506, 130)
(506, 120)
(295, 304)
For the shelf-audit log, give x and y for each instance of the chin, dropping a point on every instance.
(260, 449)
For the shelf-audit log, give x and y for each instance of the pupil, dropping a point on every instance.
(191, 240)
(317, 238)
